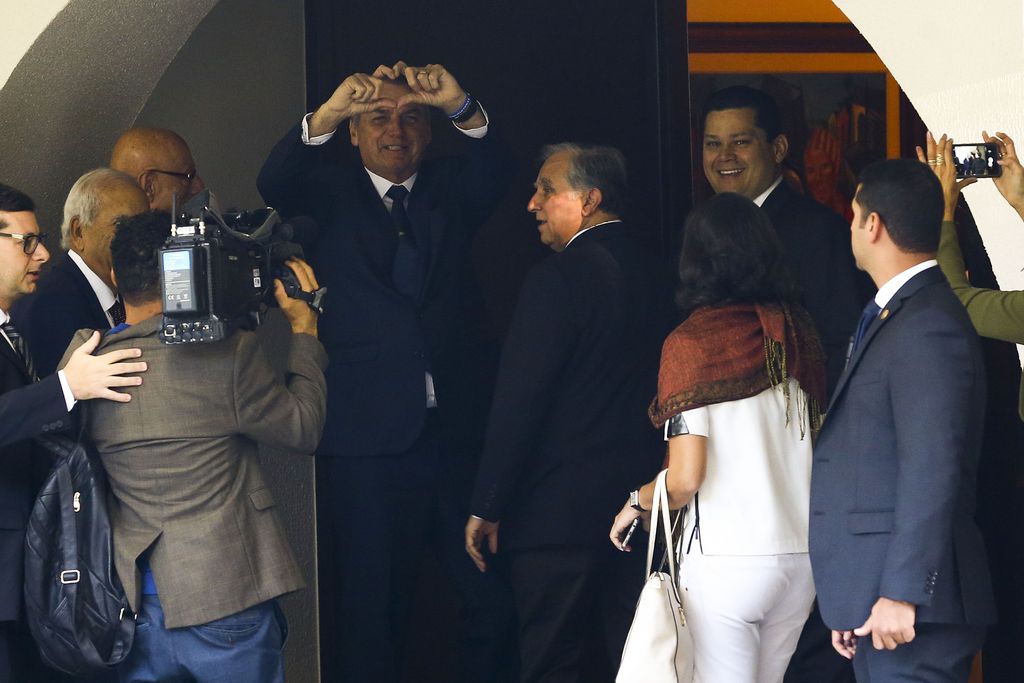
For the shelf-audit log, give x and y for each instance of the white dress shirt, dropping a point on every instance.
(598, 225)
(887, 291)
(759, 199)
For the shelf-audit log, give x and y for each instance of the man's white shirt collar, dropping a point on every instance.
(382, 185)
(104, 294)
(598, 225)
(887, 291)
(759, 199)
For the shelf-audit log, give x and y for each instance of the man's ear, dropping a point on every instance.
(874, 226)
(113, 279)
(592, 199)
(353, 134)
(75, 230)
(147, 181)
(780, 147)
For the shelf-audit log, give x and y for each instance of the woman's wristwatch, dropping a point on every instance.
(634, 500)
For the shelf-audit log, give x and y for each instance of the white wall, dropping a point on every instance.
(22, 23)
(961, 88)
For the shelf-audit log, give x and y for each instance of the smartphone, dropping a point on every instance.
(977, 160)
(629, 533)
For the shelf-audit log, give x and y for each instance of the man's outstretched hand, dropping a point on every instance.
(91, 376)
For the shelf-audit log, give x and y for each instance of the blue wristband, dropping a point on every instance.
(463, 109)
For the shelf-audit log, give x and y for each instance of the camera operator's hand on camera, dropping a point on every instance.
(1011, 183)
(91, 376)
(301, 317)
(939, 157)
(357, 94)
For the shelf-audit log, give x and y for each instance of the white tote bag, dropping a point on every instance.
(659, 647)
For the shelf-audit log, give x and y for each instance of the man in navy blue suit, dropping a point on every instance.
(411, 365)
(898, 561)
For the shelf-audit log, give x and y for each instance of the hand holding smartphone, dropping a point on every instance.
(629, 534)
(977, 160)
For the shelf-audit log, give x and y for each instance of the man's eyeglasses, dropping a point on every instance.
(29, 240)
(187, 176)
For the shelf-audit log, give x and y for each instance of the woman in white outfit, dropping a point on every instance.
(739, 391)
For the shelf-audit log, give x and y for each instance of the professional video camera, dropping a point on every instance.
(217, 270)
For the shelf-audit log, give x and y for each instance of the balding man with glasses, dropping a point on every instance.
(160, 161)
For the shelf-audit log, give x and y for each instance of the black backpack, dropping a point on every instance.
(76, 607)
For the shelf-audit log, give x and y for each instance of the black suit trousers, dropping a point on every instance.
(375, 517)
(575, 605)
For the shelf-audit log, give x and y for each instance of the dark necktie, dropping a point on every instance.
(18, 342)
(407, 270)
(116, 312)
(871, 312)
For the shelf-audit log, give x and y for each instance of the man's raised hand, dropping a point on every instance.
(357, 94)
(431, 85)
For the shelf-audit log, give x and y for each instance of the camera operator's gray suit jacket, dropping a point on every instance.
(181, 457)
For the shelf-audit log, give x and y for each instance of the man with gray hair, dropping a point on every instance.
(568, 431)
(77, 292)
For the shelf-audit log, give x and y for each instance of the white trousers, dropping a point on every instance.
(745, 614)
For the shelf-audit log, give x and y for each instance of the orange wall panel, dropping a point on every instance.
(764, 11)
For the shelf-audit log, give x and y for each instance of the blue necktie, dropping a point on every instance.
(871, 312)
(407, 270)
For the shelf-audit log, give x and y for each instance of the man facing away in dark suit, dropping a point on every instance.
(197, 540)
(77, 293)
(567, 432)
(743, 150)
(412, 365)
(899, 564)
(31, 408)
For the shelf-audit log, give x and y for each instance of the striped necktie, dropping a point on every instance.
(18, 342)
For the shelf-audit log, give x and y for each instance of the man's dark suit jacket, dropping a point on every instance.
(25, 411)
(569, 435)
(48, 318)
(816, 242)
(381, 343)
(893, 481)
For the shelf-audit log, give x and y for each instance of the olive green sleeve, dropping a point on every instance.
(995, 314)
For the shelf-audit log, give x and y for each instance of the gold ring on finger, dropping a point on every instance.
(940, 158)
(933, 162)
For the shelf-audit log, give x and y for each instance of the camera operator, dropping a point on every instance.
(198, 543)
(995, 314)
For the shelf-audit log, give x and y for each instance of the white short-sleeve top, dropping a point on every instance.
(756, 492)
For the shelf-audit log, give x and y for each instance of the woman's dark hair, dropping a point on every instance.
(731, 254)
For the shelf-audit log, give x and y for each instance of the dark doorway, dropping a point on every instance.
(602, 71)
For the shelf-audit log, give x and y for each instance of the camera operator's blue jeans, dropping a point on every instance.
(243, 647)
